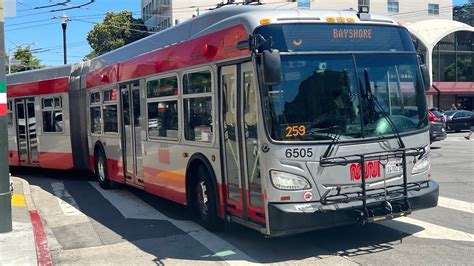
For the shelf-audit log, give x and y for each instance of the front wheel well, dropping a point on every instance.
(98, 148)
(195, 162)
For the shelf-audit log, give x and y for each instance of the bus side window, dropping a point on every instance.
(95, 113)
(52, 115)
(10, 113)
(110, 111)
(162, 104)
(197, 103)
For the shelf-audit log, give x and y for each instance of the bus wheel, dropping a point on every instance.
(101, 170)
(205, 201)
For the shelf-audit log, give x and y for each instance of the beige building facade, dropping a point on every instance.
(161, 14)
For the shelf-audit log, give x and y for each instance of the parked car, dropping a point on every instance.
(437, 126)
(457, 120)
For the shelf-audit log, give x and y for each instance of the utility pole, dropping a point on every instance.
(5, 192)
(64, 19)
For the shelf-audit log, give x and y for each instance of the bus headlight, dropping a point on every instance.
(287, 181)
(421, 166)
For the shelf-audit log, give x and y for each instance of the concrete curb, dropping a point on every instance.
(42, 250)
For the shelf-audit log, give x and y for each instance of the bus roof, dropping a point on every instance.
(221, 18)
(212, 21)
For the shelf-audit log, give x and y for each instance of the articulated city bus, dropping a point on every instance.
(281, 120)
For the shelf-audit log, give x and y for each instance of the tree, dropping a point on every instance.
(464, 13)
(117, 30)
(27, 60)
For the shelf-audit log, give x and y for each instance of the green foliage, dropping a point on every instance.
(464, 13)
(117, 30)
(27, 60)
(464, 70)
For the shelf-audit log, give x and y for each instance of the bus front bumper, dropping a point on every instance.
(294, 218)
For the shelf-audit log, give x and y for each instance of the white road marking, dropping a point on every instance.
(131, 206)
(66, 201)
(460, 138)
(456, 204)
(427, 230)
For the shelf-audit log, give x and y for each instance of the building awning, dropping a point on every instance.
(452, 88)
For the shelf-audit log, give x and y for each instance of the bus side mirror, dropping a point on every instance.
(425, 73)
(271, 64)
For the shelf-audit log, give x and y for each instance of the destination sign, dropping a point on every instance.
(352, 33)
(304, 37)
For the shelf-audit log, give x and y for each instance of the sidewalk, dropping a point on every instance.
(26, 244)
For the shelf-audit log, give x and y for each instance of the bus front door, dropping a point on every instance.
(131, 132)
(243, 186)
(26, 130)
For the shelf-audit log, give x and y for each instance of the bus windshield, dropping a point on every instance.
(321, 96)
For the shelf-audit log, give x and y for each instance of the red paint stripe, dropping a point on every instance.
(3, 109)
(210, 48)
(42, 250)
(106, 75)
(56, 160)
(57, 85)
(13, 158)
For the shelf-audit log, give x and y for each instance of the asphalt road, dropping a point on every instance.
(86, 225)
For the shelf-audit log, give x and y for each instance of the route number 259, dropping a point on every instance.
(299, 152)
(295, 131)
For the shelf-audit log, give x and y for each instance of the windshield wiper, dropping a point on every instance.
(370, 96)
(331, 146)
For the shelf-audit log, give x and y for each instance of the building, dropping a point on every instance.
(446, 46)
(161, 14)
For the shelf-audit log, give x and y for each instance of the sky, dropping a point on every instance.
(41, 29)
(38, 26)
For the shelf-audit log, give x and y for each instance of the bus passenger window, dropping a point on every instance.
(162, 87)
(10, 114)
(198, 119)
(96, 120)
(109, 110)
(95, 97)
(52, 115)
(199, 82)
(197, 103)
(162, 96)
(95, 113)
(163, 119)
(110, 118)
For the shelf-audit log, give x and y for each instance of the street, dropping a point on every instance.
(87, 225)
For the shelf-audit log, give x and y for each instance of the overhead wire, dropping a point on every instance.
(29, 27)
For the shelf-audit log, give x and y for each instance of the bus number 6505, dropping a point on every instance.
(299, 152)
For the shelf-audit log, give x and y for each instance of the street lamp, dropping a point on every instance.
(64, 19)
(10, 58)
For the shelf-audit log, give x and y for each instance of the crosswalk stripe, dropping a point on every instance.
(456, 204)
(66, 201)
(131, 206)
(427, 230)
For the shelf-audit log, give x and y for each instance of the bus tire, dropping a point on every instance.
(101, 172)
(205, 201)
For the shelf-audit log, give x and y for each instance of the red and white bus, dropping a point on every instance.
(281, 120)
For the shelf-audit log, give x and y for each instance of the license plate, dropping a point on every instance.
(394, 167)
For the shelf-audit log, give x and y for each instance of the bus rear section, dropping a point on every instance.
(343, 132)
(38, 119)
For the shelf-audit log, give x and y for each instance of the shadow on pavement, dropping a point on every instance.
(163, 240)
